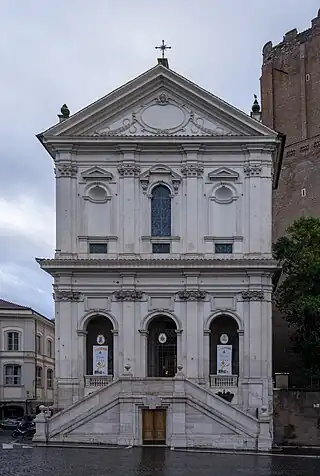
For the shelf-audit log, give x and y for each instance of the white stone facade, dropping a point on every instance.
(217, 165)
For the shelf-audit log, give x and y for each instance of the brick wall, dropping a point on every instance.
(290, 97)
(296, 421)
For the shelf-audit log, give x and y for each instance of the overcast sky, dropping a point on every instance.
(75, 51)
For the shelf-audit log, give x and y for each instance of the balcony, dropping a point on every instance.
(96, 381)
(222, 381)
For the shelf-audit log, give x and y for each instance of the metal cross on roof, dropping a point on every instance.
(163, 47)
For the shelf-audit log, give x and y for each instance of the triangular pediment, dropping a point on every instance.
(223, 173)
(160, 102)
(96, 173)
(164, 114)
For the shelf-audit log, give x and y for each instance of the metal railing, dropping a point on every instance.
(98, 380)
(223, 380)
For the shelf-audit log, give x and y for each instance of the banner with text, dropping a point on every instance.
(224, 359)
(100, 360)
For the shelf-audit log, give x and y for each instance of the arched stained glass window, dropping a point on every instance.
(161, 211)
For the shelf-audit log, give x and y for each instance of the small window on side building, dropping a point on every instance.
(303, 192)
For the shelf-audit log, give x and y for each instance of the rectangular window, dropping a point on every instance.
(13, 341)
(38, 344)
(12, 374)
(49, 348)
(98, 248)
(223, 248)
(49, 378)
(39, 376)
(161, 248)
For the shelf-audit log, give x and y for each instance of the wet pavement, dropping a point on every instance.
(24, 459)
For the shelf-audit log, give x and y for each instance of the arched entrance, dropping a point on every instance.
(11, 411)
(162, 347)
(99, 333)
(226, 326)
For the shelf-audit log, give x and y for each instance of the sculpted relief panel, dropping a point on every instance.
(164, 115)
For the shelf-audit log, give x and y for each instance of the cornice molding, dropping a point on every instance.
(226, 265)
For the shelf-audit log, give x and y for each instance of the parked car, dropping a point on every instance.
(10, 423)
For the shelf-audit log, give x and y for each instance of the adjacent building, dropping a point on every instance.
(163, 268)
(290, 92)
(26, 360)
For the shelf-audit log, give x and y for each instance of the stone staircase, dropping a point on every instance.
(194, 417)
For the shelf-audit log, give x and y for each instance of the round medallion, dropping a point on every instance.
(224, 339)
(101, 339)
(162, 338)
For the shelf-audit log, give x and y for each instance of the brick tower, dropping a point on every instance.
(290, 96)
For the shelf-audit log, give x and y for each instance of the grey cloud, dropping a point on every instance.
(77, 51)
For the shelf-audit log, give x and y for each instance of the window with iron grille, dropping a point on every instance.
(161, 211)
(13, 341)
(12, 374)
(98, 248)
(161, 248)
(223, 248)
(162, 353)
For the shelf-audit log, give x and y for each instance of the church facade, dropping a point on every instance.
(163, 269)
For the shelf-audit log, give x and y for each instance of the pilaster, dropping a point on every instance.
(128, 296)
(66, 196)
(128, 170)
(253, 216)
(192, 170)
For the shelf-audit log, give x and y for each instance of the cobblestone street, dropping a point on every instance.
(37, 461)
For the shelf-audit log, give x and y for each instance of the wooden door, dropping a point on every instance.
(147, 426)
(154, 427)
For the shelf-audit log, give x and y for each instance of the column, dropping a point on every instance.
(206, 354)
(116, 359)
(142, 371)
(82, 359)
(241, 365)
(128, 171)
(66, 196)
(192, 171)
(179, 348)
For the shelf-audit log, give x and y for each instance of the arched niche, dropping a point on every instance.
(99, 325)
(98, 216)
(223, 209)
